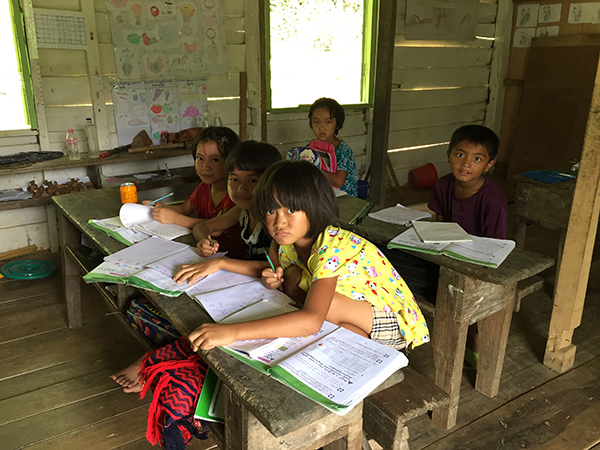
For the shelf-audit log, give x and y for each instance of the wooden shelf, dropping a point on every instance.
(85, 161)
(181, 176)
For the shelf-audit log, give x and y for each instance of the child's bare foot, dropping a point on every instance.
(129, 378)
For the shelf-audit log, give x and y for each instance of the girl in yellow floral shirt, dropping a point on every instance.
(337, 275)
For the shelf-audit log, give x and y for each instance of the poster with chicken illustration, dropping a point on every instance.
(166, 39)
(169, 105)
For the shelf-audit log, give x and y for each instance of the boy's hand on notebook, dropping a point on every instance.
(211, 335)
(193, 272)
(272, 280)
(206, 249)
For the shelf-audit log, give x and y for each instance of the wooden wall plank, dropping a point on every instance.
(418, 99)
(10, 149)
(441, 77)
(24, 235)
(22, 217)
(18, 140)
(422, 136)
(59, 62)
(19, 180)
(487, 12)
(234, 8)
(420, 57)
(409, 159)
(483, 30)
(63, 5)
(403, 120)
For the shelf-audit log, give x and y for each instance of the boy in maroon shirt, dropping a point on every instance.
(465, 195)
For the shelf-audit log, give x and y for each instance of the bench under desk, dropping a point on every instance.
(467, 294)
(260, 412)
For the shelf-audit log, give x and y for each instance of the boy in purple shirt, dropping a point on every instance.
(465, 195)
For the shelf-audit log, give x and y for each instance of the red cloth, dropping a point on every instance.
(176, 375)
(201, 203)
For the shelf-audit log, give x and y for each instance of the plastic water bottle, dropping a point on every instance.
(205, 121)
(72, 146)
(91, 137)
(217, 121)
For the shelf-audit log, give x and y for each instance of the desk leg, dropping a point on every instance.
(449, 342)
(243, 431)
(519, 230)
(68, 237)
(493, 336)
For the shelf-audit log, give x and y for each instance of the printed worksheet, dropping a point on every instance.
(146, 252)
(224, 302)
(223, 280)
(341, 366)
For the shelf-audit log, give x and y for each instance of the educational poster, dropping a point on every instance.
(549, 13)
(432, 20)
(547, 31)
(584, 13)
(193, 103)
(523, 37)
(164, 107)
(131, 110)
(158, 105)
(166, 39)
(527, 15)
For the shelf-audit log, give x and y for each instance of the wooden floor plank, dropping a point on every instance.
(95, 381)
(123, 432)
(44, 312)
(538, 416)
(110, 361)
(71, 418)
(11, 289)
(60, 346)
(523, 369)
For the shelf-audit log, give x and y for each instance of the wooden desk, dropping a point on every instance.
(260, 412)
(543, 204)
(467, 294)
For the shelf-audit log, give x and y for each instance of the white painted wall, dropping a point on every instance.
(418, 117)
(67, 101)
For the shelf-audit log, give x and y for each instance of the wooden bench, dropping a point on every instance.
(385, 413)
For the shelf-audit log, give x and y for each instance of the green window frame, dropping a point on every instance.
(18, 25)
(370, 8)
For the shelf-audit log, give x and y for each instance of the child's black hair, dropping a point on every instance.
(478, 135)
(224, 137)
(252, 156)
(300, 186)
(335, 110)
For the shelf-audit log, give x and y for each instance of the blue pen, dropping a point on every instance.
(159, 199)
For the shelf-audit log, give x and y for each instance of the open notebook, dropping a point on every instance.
(487, 252)
(334, 367)
(135, 224)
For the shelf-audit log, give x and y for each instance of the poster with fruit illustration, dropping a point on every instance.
(169, 105)
(167, 39)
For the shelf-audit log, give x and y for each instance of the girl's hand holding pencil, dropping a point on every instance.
(207, 247)
(272, 278)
